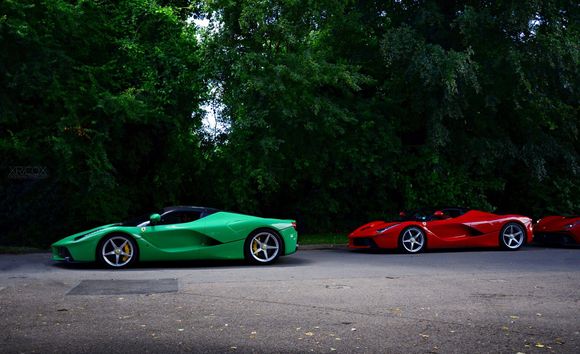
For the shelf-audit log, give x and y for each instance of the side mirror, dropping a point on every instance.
(402, 214)
(439, 214)
(154, 219)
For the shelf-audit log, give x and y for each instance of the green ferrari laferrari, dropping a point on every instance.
(181, 233)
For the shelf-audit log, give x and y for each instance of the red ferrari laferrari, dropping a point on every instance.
(444, 228)
(558, 230)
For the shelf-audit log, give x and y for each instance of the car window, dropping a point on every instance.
(138, 221)
(426, 214)
(179, 217)
(418, 215)
(453, 212)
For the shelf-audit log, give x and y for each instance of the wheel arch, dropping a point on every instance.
(521, 224)
(407, 227)
(116, 233)
(273, 230)
(504, 225)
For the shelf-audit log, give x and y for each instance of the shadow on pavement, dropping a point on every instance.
(290, 261)
(526, 248)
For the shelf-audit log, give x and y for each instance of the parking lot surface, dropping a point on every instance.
(326, 300)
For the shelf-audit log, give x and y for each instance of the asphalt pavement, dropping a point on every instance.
(317, 300)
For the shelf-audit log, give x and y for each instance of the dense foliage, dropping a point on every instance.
(331, 112)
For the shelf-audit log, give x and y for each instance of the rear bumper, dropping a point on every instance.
(290, 237)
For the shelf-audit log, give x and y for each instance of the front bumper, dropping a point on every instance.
(61, 253)
(362, 243)
(553, 238)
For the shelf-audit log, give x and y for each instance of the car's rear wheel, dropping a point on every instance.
(412, 240)
(263, 247)
(117, 251)
(512, 236)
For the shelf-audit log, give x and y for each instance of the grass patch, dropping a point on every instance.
(323, 239)
(20, 250)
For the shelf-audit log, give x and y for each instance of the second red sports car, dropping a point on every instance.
(444, 228)
(558, 230)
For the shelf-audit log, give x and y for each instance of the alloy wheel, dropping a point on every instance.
(118, 251)
(413, 240)
(264, 247)
(513, 236)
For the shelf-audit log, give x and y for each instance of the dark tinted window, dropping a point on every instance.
(426, 214)
(179, 217)
(138, 220)
(454, 212)
(418, 215)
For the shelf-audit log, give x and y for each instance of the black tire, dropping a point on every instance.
(254, 251)
(410, 238)
(512, 236)
(117, 251)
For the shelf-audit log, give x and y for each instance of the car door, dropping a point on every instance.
(449, 230)
(178, 232)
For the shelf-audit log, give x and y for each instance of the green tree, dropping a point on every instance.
(345, 110)
(493, 85)
(333, 112)
(105, 95)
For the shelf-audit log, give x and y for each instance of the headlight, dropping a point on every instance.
(380, 231)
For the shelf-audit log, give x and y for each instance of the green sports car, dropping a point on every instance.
(181, 233)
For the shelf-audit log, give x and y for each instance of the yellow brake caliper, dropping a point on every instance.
(127, 250)
(254, 246)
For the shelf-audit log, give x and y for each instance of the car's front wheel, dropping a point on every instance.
(412, 240)
(263, 247)
(117, 251)
(512, 236)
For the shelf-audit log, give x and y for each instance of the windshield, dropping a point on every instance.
(418, 215)
(428, 214)
(140, 219)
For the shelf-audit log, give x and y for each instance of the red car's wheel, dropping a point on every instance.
(412, 240)
(512, 236)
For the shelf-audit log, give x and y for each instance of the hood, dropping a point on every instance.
(372, 227)
(85, 233)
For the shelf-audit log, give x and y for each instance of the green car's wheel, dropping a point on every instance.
(263, 247)
(117, 251)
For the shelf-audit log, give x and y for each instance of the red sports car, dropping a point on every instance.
(444, 228)
(558, 230)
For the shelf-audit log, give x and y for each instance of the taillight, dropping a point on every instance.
(294, 225)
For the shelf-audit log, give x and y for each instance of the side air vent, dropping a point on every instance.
(474, 232)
